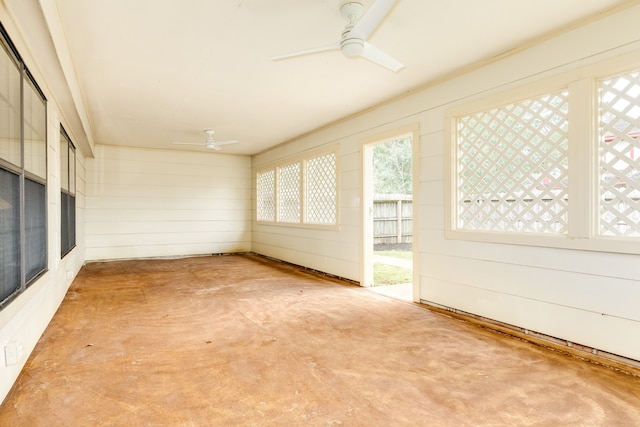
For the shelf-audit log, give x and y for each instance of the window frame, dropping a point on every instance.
(583, 201)
(598, 164)
(303, 205)
(287, 196)
(530, 121)
(29, 173)
(305, 202)
(70, 192)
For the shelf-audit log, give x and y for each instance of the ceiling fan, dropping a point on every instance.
(354, 36)
(209, 143)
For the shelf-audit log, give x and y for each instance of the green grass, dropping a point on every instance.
(396, 254)
(389, 275)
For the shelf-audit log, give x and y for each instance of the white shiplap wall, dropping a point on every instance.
(154, 203)
(23, 321)
(330, 251)
(590, 298)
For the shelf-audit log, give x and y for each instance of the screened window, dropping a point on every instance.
(67, 193)
(321, 189)
(23, 173)
(266, 195)
(560, 169)
(512, 171)
(289, 193)
(619, 138)
(304, 191)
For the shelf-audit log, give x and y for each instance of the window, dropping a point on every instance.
(288, 200)
(619, 137)
(23, 175)
(266, 195)
(9, 233)
(303, 191)
(559, 168)
(321, 187)
(513, 167)
(67, 193)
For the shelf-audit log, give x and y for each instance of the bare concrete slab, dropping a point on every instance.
(241, 340)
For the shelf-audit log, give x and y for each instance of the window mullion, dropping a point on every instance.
(583, 155)
(276, 189)
(23, 215)
(303, 191)
(275, 195)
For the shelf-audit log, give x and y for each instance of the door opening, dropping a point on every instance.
(388, 216)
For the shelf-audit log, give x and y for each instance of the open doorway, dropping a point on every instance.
(388, 216)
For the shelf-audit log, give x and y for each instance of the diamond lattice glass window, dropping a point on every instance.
(512, 167)
(619, 142)
(266, 195)
(289, 193)
(321, 190)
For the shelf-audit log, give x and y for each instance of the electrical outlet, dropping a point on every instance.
(12, 353)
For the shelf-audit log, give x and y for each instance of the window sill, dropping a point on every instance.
(623, 245)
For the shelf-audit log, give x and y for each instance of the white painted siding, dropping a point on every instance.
(26, 317)
(154, 203)
(24, 320)
(330, 251)
(585, 297)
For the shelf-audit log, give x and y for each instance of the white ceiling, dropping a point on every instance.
(153, 72)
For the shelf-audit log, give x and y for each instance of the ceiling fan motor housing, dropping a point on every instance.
(351, 45)
(211, 145)
(353, 42)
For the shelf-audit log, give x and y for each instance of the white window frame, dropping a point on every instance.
(583, 208)
(68, 181)
(272, 199)
(27, 161)
(288, 196)
(303, 223)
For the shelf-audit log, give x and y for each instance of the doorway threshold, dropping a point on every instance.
(403, 291)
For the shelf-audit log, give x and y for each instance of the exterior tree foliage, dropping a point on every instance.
(392, 167)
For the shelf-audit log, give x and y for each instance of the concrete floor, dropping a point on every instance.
(241, 340)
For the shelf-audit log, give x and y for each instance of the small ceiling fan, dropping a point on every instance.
(354, 36)
(209, 143)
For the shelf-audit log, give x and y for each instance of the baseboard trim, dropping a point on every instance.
(307, 269)
(592, 355)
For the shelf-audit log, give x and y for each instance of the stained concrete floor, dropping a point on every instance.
(241, 340)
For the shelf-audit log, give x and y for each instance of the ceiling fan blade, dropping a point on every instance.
(225, 142)
(372, 18)
(325, 48)
(374, 54)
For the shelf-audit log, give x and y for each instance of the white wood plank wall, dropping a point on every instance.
(590, 298)
(157, 203)
(24, 320)
(331, 251)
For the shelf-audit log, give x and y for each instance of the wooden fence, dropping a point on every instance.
(392, 220)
